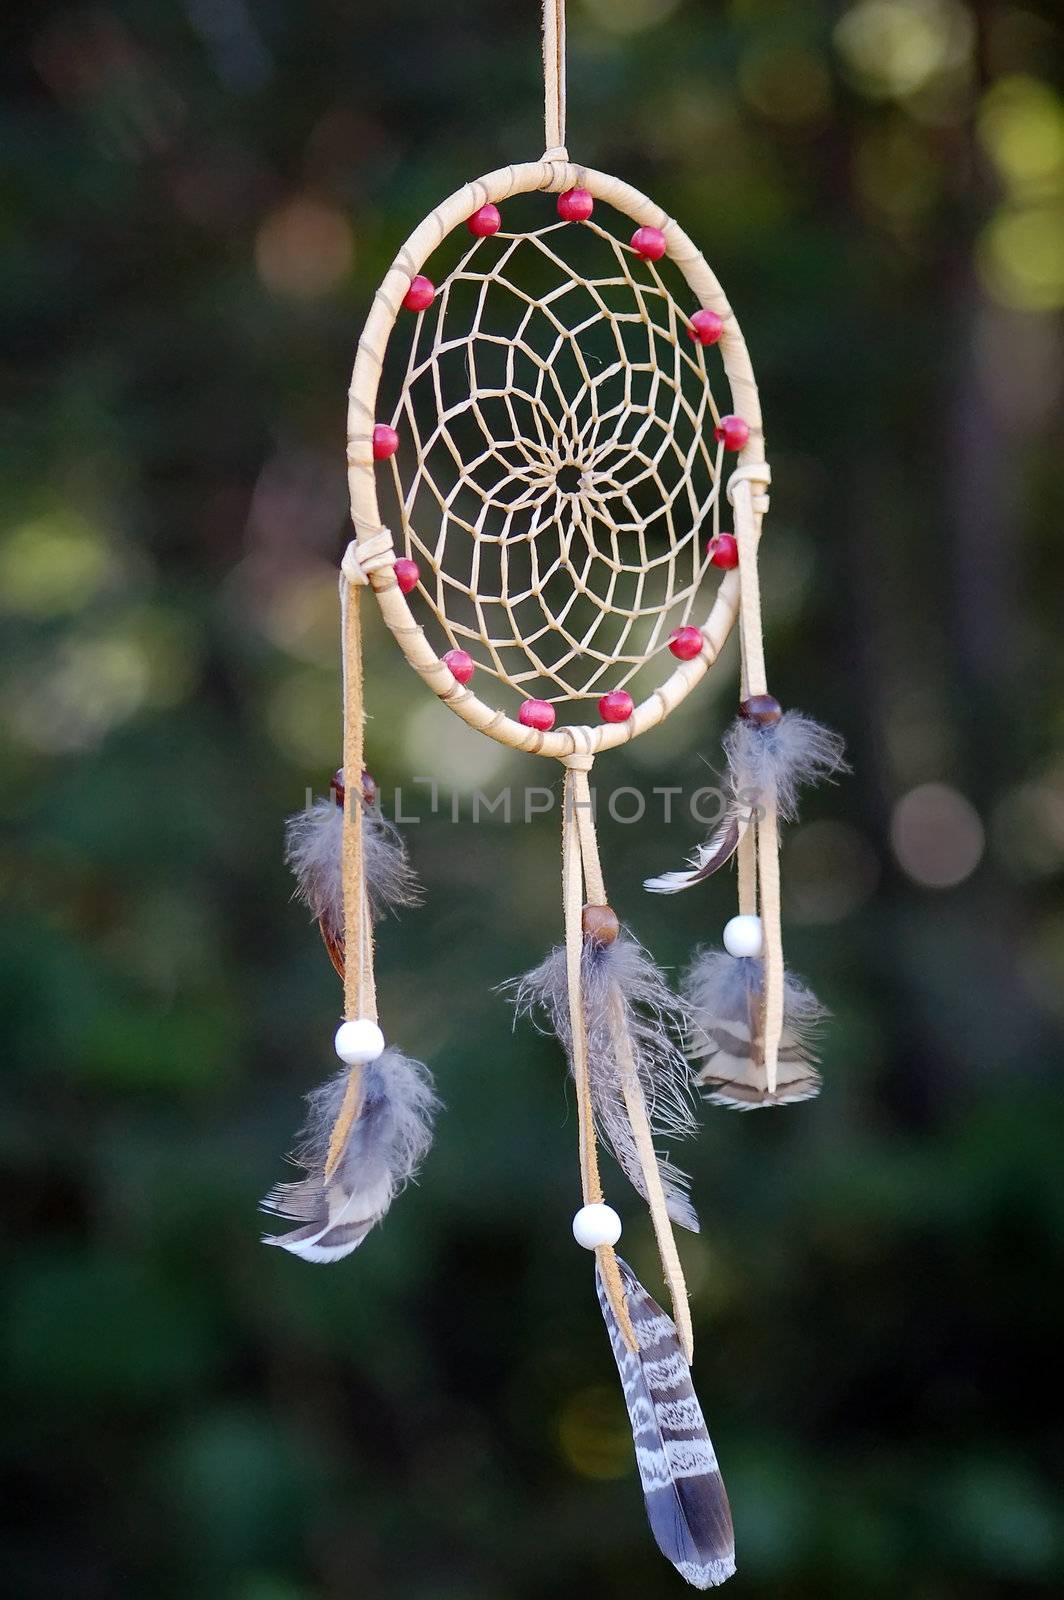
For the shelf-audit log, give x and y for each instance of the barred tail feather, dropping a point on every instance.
(687, 1504)
(724, 999)
(386, 1144)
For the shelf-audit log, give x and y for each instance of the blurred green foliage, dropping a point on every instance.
(199, 199)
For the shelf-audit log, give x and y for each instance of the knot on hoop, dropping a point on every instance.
(582, 754)
(366, 555)
(557, 152)
(753, 473)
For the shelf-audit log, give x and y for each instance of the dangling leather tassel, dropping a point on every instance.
(314, 849)
(770, 754)
(616, 1019)
(633, 1023)
(370, 1125)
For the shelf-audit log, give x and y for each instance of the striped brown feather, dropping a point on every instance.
(687, 1504)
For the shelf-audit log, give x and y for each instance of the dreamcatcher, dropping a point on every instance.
(552, 471)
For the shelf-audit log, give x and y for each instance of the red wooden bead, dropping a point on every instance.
(706, 327)
(407, 574)
(368, 787)
(385, 442)
(461, 664)
(537, 714)
(649, 243)
(686, 643)
(723, 551)
(575, 205)
(485, 222)
(617, 706)
(420, 295)
(732, 432)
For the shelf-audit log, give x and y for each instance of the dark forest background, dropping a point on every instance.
(198, 202)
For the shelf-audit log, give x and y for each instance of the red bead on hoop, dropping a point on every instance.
(421, 293)
(723, 551)
(575, 205)
(706, 327)
(407, 574)
(686, 643)
(461, 664)
(538, 714)
(485, 222)
(617, 706)
(649, 243)
(732, 432)
(385, 442)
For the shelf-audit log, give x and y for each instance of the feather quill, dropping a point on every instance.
(724, 1007)
(707, 858)
(763, 759)
(687, 1504)
(386, 1144)
(313, 846)
(652, 1014)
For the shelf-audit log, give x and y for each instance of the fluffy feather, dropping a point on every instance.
(387, 1143)
(777, 759)
(651, 1013)
(687, 1504)
(313, 841)
(723, 996)
(780, 758)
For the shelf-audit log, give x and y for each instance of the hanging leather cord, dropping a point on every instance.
(554, 80)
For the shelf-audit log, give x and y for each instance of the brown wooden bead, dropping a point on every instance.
(337, 786)
(600, 924)
(764, 709)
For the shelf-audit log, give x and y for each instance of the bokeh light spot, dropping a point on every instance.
(304, 718)
(91, 685)
(304, 249)
(891, 49)
(937, 836)
(1028, 827)
(436, 741)
(1021, 258)
(629, 16)
(1021, 127)
(298, 614)
(53, 565)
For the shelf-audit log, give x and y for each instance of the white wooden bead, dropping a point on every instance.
(742, 936)
(595, 1225)
(359, 1041)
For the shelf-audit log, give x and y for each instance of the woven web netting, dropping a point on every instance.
(557, 479)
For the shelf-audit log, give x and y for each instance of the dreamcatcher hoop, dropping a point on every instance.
(373, 554)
